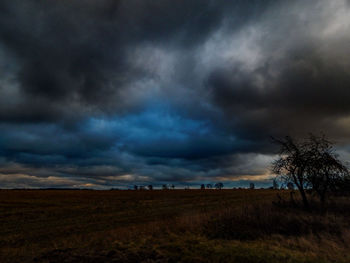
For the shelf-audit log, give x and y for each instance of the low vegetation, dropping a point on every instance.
(170, 226)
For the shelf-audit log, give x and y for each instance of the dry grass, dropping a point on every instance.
(167, 226)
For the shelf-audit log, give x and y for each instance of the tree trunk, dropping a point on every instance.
(304, 198)
(298, 180)
(323, 199)
(292, 198)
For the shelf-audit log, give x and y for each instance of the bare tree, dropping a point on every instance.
(325, 170)
(292, 164)
(209, 186)
(309, 164)
(219, 185)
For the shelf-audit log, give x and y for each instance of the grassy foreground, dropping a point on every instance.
(167, 226)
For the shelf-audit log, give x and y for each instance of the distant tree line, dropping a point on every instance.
(142, 187)
(218, 186)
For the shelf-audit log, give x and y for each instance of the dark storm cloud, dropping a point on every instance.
(70, 56)
(105, 93)
(299, 80)
(306, 96)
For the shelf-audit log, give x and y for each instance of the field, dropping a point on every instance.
(167, 226)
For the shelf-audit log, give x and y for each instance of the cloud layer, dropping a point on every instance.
(111, 93)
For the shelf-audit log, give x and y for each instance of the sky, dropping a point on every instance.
(111, 93)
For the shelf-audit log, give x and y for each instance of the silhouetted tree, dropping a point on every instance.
(219, 185)
(202, 186)
(309, 164)
(209, 186)
(325, 170)
(150, 187)
(136, 187)
(164, 187)
(292, 164)
(173, 186)
(251, 186)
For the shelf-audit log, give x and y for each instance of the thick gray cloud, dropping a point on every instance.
(105, 93)
(298, 78)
